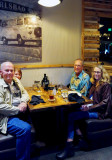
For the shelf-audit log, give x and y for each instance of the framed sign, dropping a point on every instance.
(20, 37)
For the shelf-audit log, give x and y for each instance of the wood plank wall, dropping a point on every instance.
(88, 68)
(92, 10)
(26, 66)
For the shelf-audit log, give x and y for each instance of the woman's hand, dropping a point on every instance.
(84, 107)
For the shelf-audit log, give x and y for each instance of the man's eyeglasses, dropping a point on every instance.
(96, 72)
(77, 65)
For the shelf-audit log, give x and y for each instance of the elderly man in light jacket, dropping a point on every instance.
(13, 101)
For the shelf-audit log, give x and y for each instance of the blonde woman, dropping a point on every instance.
(100, 93)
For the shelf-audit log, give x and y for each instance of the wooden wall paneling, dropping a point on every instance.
(82, 33)
(92, 11)
(97, 38)
(91, 25)
(91, 42)
(25, 66)
(91, 18)
(88, 68)
(101, 1)
(98, 6)
(91, 59)
(92, 33)
(91, 53)
(91, 46)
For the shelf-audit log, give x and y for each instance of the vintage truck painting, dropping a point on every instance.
(21, 31)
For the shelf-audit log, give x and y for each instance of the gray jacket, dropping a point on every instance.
(6, 108)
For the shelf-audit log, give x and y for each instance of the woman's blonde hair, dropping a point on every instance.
(105, 76)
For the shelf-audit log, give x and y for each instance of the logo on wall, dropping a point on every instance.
(20, 35)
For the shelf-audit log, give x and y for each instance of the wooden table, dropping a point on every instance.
(49, 118)
(58, 102)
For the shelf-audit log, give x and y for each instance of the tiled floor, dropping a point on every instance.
(99, 154)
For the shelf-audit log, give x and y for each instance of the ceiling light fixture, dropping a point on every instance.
(49, 3)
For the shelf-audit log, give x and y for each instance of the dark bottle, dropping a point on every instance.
(45, 82)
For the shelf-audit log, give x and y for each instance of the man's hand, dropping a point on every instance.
(22, 107)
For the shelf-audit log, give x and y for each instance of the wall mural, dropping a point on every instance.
(20, 37)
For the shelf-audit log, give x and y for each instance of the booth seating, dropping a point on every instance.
(98, 133)
(8, 145)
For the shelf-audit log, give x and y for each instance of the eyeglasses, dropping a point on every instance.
(96, 72)
(77, 65)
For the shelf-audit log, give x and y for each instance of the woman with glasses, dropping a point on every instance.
(100, 93)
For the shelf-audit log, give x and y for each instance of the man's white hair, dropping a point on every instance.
(4, 63)
(79, 59)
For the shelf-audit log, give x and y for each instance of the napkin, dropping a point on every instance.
(36, 100)
(74, 97)
(79, 94)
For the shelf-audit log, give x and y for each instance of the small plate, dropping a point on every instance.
(51, 100)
